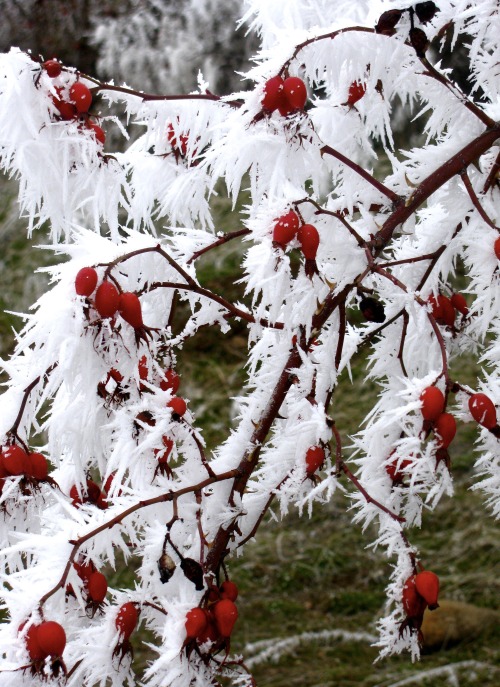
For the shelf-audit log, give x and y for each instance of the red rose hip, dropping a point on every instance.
(130, 309)
(273, 94)
(85, 281)
(483, 410)
(295, 92)
(107, 299)
(127, 618)
(432, 403)
(309, 240)
(51, 637)
(81, 96)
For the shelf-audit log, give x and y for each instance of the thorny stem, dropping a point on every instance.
(153, 249)
(367, 496)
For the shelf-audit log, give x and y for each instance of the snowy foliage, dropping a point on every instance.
(94, 373)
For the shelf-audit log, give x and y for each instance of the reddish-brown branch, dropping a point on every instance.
(493, 174)
(223, 239)
(393, 197)
(367, 496)
(338, 215)
(475, 200)
(232, 309)
(152, 249)
(434, 181)
(453, 88)
(406, 319)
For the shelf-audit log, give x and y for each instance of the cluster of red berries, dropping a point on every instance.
(444, 309)
(285, 95)
(108, 300)
(78, 103)
(43, 640)
(214, 622)
(15, 462)
(443, 424)
(288, 227)
(93, 495)
(420, 591)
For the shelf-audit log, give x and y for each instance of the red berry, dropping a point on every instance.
(436, 307)
(126, 620)
(97, 130)
(356, 92)
(228, 590)
(496, 248)
(178, 405)
(15, 460)
(51, 637)
(107, 299)
(413, 604)
(446, 428)
(309, 240)
(459, 303)
(80, 95)
(35, 651)
(93, 491)
(142, 368)
(38, 466)
(130, 309)
(432, 403)
(315, 458)
(273, 94)
(171, 381)
(196, 622)
(97, 587)
(225, 614)
(395, 472)
(427, 585)
(483, 410)
(209, 634)
(53, 68)
(286, 228)
(295, 92)
(84, 570)
(86, 281)
(66, 110)
(448, 311)
(116, 375)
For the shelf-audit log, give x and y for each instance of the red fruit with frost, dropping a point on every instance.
(84, 570)
(107, 299)
(445, 428)
(35, 651)
(436, 307)
(357, 89)
(396, 470)
(295, 92)
(85, 281)
(67, 110)
(97, 130)
(229, 590)
(171, 381)
(225, 615)
(432, 403)
(413, 603)
(427, 585)
(196, 622)
(309, 240)
(447, 310)
(80, 95)
(142, 368)
(53, 68)
(38, 466)
(15, 460)
(126, 620)
(459, 303)
(97, 587)
(130, 309)
(496, 248)
(51, 637)
(178, 405)
(315, 457)
(286, 228)
(273, 94)
(483, 410)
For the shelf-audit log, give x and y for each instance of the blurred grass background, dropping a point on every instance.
(314, 574)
